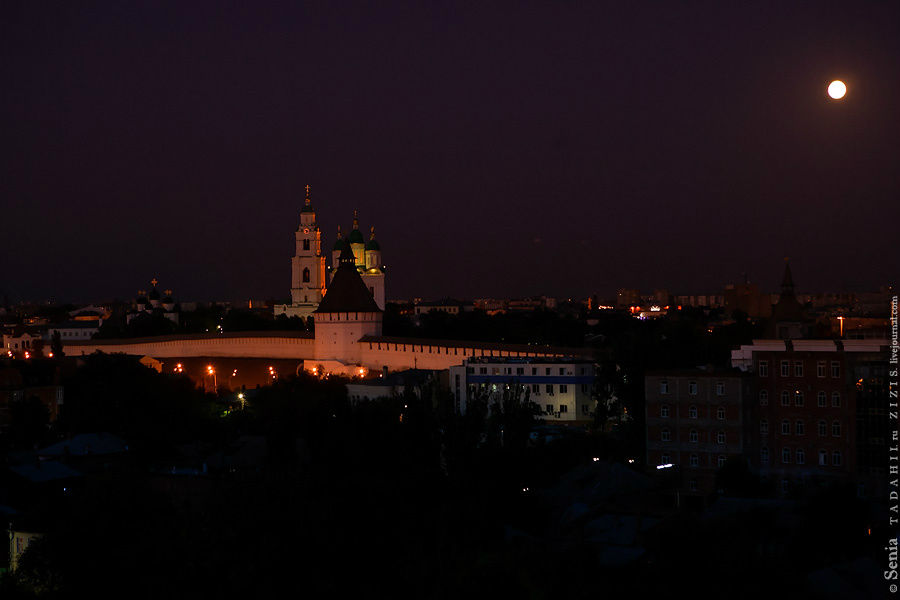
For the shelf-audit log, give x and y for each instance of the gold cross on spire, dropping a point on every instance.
(154, 281)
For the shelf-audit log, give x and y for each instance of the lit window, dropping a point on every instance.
(695, 437)
(692, 388)
(664, 435)
(692, 411)
(763, 368)
(720, 413)
(836, 399)
(664, 411)
(764, 427)
(821, 399)
(836, 429)
(799, 427)
(763, 397)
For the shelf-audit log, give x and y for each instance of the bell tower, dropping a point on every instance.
(307, 266)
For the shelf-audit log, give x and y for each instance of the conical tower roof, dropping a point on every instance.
(347, 292)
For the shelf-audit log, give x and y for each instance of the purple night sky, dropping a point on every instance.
(525, 148)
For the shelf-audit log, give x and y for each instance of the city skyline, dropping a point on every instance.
(538, 150)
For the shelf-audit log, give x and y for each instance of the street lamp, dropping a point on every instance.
(211, 371)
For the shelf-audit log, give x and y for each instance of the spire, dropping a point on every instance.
(307, 204)
(372, 244)
(787, 282)
(356, 237)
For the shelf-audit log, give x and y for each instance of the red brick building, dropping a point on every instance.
(801, 412)
(695, 422)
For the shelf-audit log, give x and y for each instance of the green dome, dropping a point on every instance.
(339, 245)
(356, 237)
(372, 245)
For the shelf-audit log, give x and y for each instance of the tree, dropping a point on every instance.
(56, 346)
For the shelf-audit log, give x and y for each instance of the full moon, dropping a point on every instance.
(837, 89)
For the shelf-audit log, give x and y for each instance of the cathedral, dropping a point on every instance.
(311, 278)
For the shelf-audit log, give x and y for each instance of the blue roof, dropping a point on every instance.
(86, 444)
(44, 471)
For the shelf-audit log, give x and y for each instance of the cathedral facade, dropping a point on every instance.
(310, 278)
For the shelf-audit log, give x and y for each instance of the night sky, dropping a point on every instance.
(526, 148)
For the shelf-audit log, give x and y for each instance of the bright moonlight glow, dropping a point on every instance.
(837, 89)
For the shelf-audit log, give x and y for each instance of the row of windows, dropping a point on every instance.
(799, 457)
(694, 436)
(785, 367)
(695, 460)
(536, 388)
(800, 399)
(692, 412)
(521, 371)
(692, 388)
(800, 428)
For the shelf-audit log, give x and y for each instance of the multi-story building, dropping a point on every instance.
(695, 422)
(803, 413)
(561, 387)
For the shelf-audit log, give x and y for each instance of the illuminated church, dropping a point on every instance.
(310, 278)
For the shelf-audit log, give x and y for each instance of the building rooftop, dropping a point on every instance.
(347, 292)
